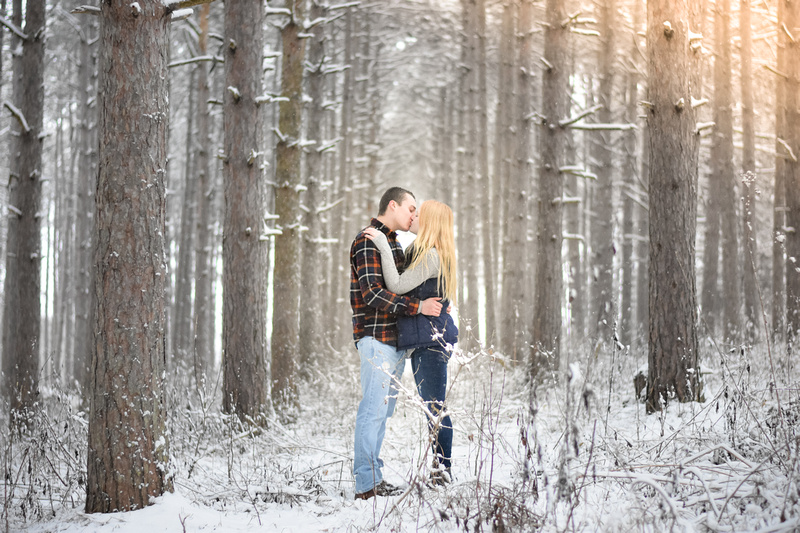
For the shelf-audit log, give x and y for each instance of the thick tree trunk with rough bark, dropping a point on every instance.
(286, 285)
(673, 346)
(245, 253)
(22, 312)
(548, 301)
(128, 451)
(792, 176)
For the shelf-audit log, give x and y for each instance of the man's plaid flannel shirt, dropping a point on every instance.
(375, 309)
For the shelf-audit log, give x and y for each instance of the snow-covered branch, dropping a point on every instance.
(579, 116)
(175, 5)
(270, 98)
(13, 27)
(577, 171)
(604, 127)
(704, 126)
(86, 10)
(776, 71)
(19, 116)
(198, 59)
(328, 145)
(573, 237)
(788, 149)
(329, 206)
(344, 6)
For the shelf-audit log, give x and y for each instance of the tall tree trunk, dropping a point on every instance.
(203, 274)
(484, 187)
(604, 300)
(515, 239)
(245, 255)
(724, 174)
(128, 451)
(87, 180)
(182, 320)
(673, 349)
(750, 244)
(548, 302)
(779, 209)
(22, 312)
(468, 192)
(286, 285)
(627, 329)
(311, 301)
(792, 169)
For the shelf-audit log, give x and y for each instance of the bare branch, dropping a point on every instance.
(19, 116)
(11, 26)
(579, 116)
(86, 10)
(577, 171)
(197, 59)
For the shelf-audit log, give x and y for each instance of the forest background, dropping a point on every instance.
(185, 178)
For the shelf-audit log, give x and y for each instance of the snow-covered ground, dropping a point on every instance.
(585, 458)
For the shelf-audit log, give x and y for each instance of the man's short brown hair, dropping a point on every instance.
(398, 194)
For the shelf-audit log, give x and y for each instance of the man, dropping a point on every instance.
(375, 312)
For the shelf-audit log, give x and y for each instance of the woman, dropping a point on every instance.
(430, 272)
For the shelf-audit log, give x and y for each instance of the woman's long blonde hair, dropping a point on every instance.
(436, 231)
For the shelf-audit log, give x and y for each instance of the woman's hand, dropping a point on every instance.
(371, 233)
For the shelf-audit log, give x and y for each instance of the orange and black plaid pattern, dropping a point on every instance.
(375, 309)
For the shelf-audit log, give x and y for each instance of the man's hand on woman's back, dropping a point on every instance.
(431, 307)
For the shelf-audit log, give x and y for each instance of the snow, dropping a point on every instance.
(584, 456)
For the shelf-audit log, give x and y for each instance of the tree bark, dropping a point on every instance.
(604, 300)
(204, 274)
(286, 285)
(724, 173)
(245, 255)
(792, 176)
(517, 193)
(22, 313)
(128, 450)
(779, 208)
(673, 347)
(752, 305)
(548, 302)
(182, 320)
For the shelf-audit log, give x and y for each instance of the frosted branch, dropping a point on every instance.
(577, 171)
(581, 31)
(198, 59)
(704, 126)
(19, 116)
(604, 127)
(86, 10)
(697, 103)
(344, 6)
(788, 149)
(579, 116)
(13, 27)
(787, 32)
(176, 5)
(547, 64)
(14, 210)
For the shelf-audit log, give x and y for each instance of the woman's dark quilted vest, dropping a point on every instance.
(420, 331)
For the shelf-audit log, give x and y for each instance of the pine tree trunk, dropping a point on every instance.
(128, 451)
(484, 184)
(724, 174)
(779, 208)
(792, 169)
(548, 302)
(245, 255)
(673, 347)
(515, 240)
(87, 180)
(604, 300)
(286, 285)
(22, 313)
(182, 320)
(311, 296)
(750, 244)
(204, 275)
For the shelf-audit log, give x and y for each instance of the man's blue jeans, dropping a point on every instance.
(430, 374)
(380, 364)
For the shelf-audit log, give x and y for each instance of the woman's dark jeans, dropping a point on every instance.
(430, 373)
